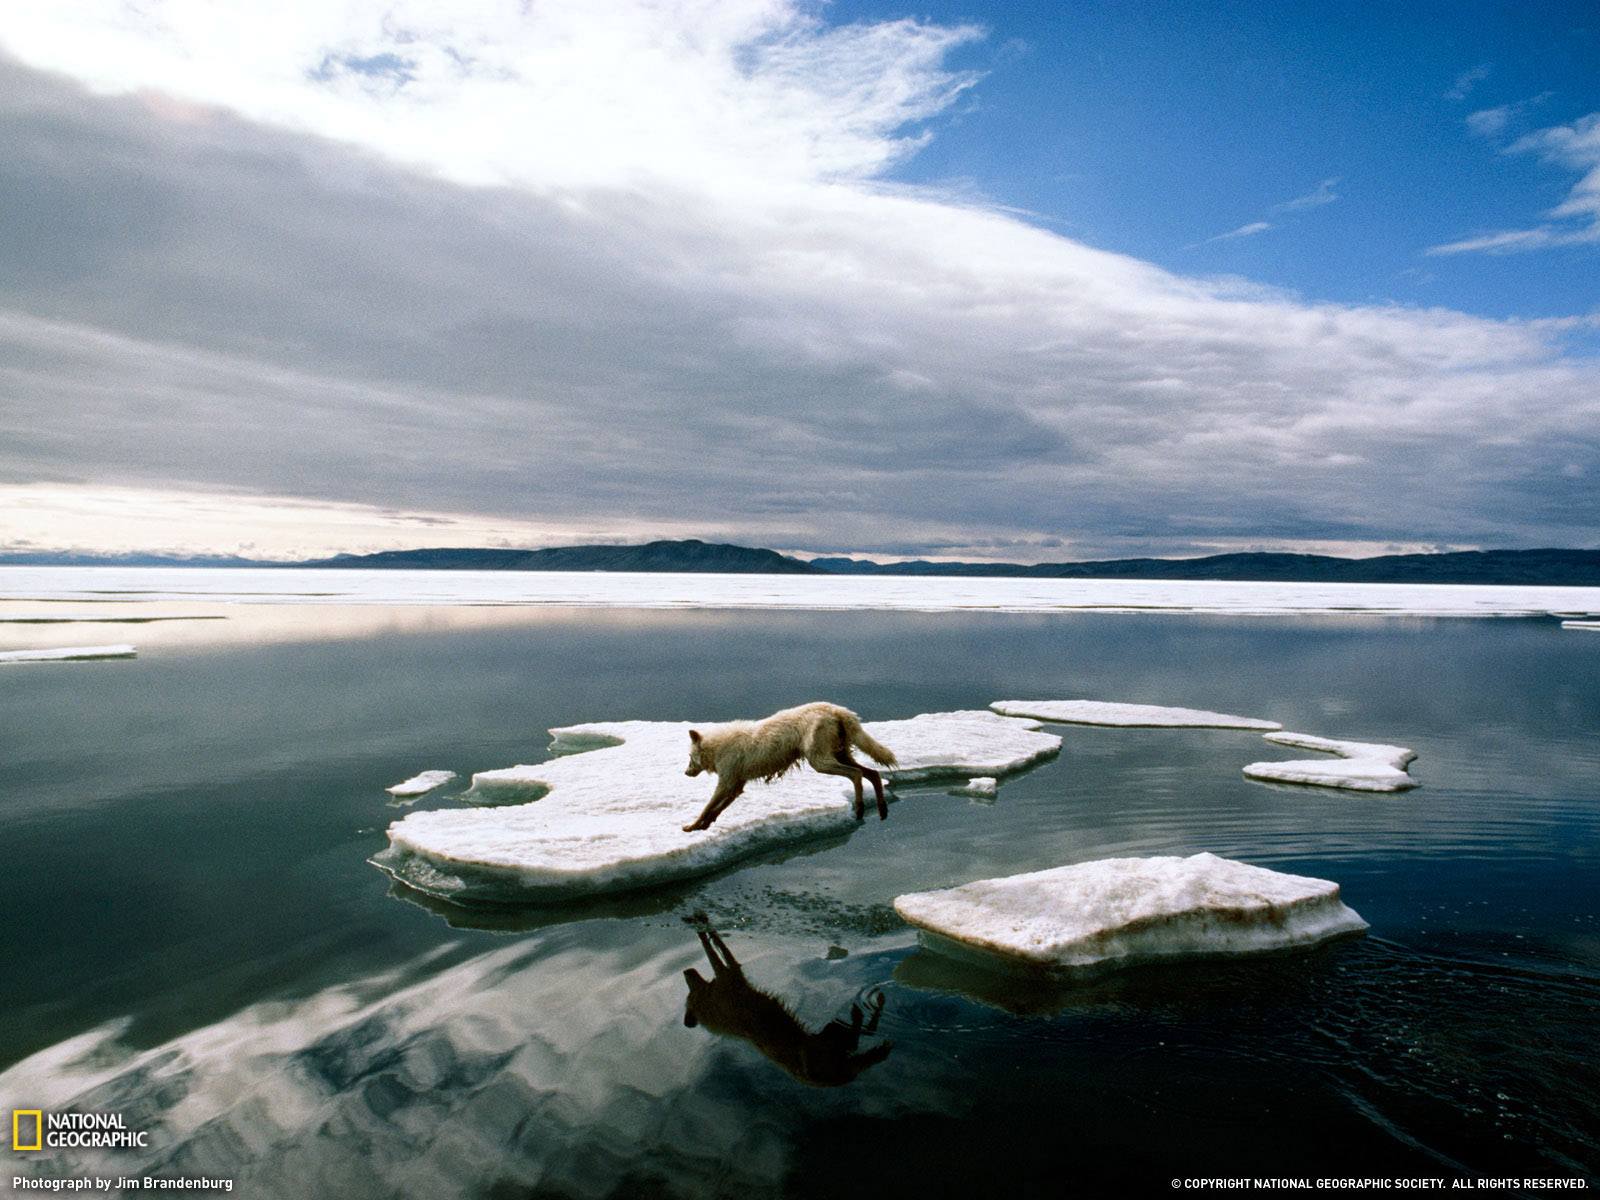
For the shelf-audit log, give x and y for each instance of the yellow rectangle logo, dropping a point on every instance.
(38, 1128)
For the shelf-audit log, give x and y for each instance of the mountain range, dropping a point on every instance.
(1549, 567)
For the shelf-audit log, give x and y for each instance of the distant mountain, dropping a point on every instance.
(1569, 568)
(691, 555)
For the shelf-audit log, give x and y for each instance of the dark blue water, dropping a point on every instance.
(195, 938)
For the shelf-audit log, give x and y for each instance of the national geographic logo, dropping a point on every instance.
(35, 1129)
(22, 1121)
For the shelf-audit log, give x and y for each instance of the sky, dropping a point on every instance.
(954, 280)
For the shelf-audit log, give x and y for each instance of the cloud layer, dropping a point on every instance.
(638, 272)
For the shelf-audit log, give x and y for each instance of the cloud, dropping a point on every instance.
(1573, 222)
(223, 291)
(553, 93)
(1491, 122)
(1469, 80)
(1322, 194)
(1250, 230)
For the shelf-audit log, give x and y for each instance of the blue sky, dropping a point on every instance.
(1158, 129)
(954, 280)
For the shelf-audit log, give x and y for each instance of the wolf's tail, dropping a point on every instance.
(879, 752)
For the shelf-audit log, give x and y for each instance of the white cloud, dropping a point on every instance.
(1322, 194)
(1573, 222)
(550, 93)
(1250, 230)
(1468, 80)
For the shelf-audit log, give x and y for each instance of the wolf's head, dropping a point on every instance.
(699, 759)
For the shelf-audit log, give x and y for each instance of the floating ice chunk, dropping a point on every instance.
(1121, 911)
(609, 818)
(1580, 624)
(1361, 766)
(967, 745)
(69, 654)
(984, 787)
(1095, 712)
(421, 785)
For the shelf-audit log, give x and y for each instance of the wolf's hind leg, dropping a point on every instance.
(843, 764)
(877, 791)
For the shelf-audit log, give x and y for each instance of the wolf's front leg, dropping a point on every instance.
(725, 795)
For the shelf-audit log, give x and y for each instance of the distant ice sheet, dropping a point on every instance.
(1095, 712)
(102, 619)
(421, 785)
(68, 654)
(1121, 911)
(608, 819)
(1360, 766)
(619, 589)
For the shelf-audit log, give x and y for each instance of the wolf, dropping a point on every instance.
(729, 1005)
(820, 734)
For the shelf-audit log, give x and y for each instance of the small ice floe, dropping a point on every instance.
(69, 654)
(1121, 911)
(421, 785)
(982, 787)
(608, 819)
(1360, 766)
(1580, 624)
(1095, 712)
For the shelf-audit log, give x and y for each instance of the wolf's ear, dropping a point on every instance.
(694, 735)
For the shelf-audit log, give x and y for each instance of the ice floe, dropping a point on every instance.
(421, 785)
(1121, 911)
(608, 818)
(1580, 624)
(1096, 712)
(1359, 766)
(67, 654)
(982, 787)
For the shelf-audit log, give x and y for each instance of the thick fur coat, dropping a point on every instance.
(820, 734)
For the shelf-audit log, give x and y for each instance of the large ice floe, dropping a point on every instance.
(1097, 712)
(67, 654)
(1359, 766)
(1118, 912)
(605, 814)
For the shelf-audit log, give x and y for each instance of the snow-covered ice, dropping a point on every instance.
(67, 654)
(1096, 712)
(100, 619)
(1580, 624)
(1360, 766)
(1121, 911)
(621, 589)
(608, 819)
(421, 785)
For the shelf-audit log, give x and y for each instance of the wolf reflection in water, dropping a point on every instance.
(727, 1004)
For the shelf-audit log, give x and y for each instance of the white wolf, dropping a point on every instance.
(820, 734)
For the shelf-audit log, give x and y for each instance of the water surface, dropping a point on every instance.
(199, 941)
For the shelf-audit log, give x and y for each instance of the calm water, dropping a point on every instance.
(196, 940)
